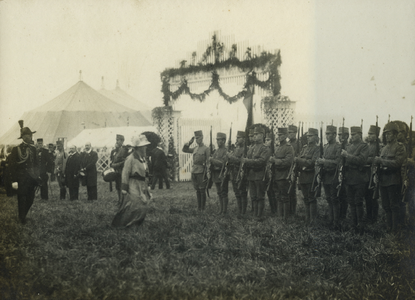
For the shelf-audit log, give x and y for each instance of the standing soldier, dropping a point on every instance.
(356, 178)
(201, 154)
(343, 134)
(306, 163)
(52, 157)
(283, 158)
(269, 137)
(410, 195)
(391, 159)
(117, 158)
(234, 163)
(44, 162)
(24, 168)
(251, 143)
(217, 160)
(60, 164)
(256, 160)
(296, 143)
(329, 163)
(372, 205)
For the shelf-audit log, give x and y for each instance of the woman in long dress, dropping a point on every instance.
(134, 186)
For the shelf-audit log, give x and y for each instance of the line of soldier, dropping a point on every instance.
(351, 172)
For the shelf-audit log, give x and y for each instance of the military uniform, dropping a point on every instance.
(283, 159)
(201, 155)
(44, 162)
(255, 163)
(234, 164)
(356, 178)
(392, 157)
(306, 163)
(296, 144)
(342, 194)
(331, 159)
(270, 192)
(217, 162)
(60, 164)
(24, 169)
(117, 158)
(410, 192)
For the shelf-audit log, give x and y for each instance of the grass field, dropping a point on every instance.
(68, 250)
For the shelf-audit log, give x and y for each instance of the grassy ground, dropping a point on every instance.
(68, 250)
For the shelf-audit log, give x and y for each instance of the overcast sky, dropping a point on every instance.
(346, 58)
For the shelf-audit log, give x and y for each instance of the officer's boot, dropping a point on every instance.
(199, 200)
(293, 205)
(395, 221)
(280, 209)
(359, 213)
(402, 218)
(261, 206)
(331, 215)
(287, 210)
(307, 213)
(389, 220)
(244, 203)
(353, 214)
(220, 205)
(369, 209)
(255, 206)
(225, 205)
(239, 205)
(62, 194)
(203, 199)
(375, 210)
(313, 214)
(252, 206)
(336, 215)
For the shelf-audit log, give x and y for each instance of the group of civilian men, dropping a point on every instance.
(344, 171)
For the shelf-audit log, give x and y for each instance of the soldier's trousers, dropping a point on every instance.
(372, 205)
(241, 197)
(222, 190)
(333, 202)
(283, 199)
(25, 196)
(257, 193)
(391, 203)
(343, 202)
(293, 199)
(355, 197)
(272, 199)
(310, 202)
(62, 188)
(200, 186)
(44, 188)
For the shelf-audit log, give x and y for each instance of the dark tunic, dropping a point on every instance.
(306, 162)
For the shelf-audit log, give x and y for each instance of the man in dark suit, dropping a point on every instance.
(88, 167)
(24, 168)
(159, 167)
(73, 165)
(44, 165)
(52, 157)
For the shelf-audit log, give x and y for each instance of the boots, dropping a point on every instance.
(220, 205)
(261, 206)
(313, 213)
(244, 202)
(360, 224)
(239, 205)
(286, 209)
(395, 221)
(255, 206)
(375, 210)
(63, 194)
(252, 206)
(331, 214)
(389, 220)
(280, 209)
(225, 205)
(307, 214)
(293, 207)
(336, 215)
(199, 200)
(203, 200)
(354, 216)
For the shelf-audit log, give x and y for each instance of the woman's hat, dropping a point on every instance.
(139, 141)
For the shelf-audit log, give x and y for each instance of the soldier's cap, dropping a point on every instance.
(355, 129)
(221, 135)
(391, 126)
(199, 133)
(269, 135)
(259, 130)
(312, 131)
(331, 129)
(374, 130)
(292, 128)
(39, 140)
(59, 142)
(119, 137)
(343, 130)
(50, 144)
(251, 132)
(282, 131)
(24, 131)
(240, 134)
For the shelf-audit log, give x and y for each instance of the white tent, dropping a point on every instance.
(105, 137)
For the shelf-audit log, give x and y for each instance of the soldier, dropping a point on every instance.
(391, 159)
(282, 159)
(292, 136)
(217, 160)
(372, 205)
(356, 178)
(60, 164)
(306, 162)
(329, 163)
(251, 143)
(343, 134)
(44, 162)
(24, 168)
(270, 192)
(52, 157)
(256, 160)
(234, 163)
(117, 158)
(201, 154)
(410, 195)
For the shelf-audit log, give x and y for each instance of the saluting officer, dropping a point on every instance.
(201, 154)
(356, 178)
(217, 160)
(306, 163)
(234, 163)
(329, 163)
(343, 134)
(372, 205)
(256, 160)
(292, 136)
(391, 159)
(283, 158)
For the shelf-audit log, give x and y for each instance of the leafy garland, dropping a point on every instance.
(158, 113)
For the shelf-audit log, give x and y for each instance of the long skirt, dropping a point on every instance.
(133, 207)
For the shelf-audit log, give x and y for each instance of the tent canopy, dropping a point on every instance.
(105, 137)
(80, 107)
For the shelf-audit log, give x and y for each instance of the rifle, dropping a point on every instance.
(241, 172)
(341, 167)
(374, 178)
(293, 174)
(316, 186)
(208, 172)
(405, 181)
(268, 169)
(225, 166)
